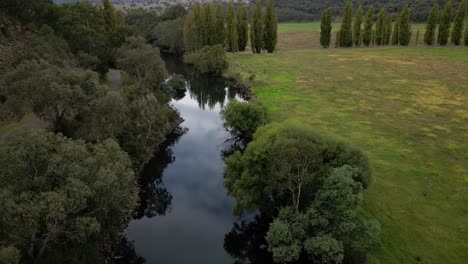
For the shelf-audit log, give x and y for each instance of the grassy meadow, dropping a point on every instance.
(299, 36)
(407, 109)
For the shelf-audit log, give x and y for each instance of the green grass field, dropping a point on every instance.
(407, 109)
(299, 36)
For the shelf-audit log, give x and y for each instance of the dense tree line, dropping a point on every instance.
(204, 26)
(77, 180)
(381, 30)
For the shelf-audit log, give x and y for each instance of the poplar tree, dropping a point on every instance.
(109, 15)
(270, 32)
(337, 39)
(373, 37)
(388, 30)
(242, 28)
(231, 28)
(396, 26)
(199, 23)
(466, 34)
(444, 25)
(380, 27)
(220, 36)
(346, 34)
(404, 30)
(357, 32)
(431, 25)
(210, 22)
(367, 34)
(325, 28)
(256, 28)
(457, 29)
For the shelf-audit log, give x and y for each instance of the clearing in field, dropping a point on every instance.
(406, 108)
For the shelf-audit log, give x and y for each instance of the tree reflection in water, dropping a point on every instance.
(153, 196)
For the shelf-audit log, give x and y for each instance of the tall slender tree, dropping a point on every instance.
(346, 33)
(242, 28)
(199, 24)
(396, 27)
(231, 28)
(380, 28)
(459, 22)
(220, 36)
(417, 37)
(109, 15)
(256, 28)
(466, 34)
(270, 32)
(367, 34)
(388, 29)
(325, 28)
(404, 31)
(337, 39)
(210, 22)
(357, 31)
(444, 24)
(431, 25)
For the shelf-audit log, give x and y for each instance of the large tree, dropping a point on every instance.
(270, 29)
(256, 28)
(210, 22)
(444, 24)
(346, 33)
(242, 28)
(357, 31)
(325, 28)
(380, 28)
(69, 193)
(243, 118)
(404, 30)
(367, 34)
(466, 34)
(396, 26)
(458, 24)
(431, 25)
(220, 34)
(231, 28)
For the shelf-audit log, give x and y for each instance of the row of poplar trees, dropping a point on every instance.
(384, 31)
(208, 25)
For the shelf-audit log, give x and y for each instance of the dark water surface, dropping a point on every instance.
(185, 211)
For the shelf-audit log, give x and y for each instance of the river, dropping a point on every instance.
(184, 210)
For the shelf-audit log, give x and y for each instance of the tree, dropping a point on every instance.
(210, 59)
(357, 32)
(325, 28)
(417, 37)
(191, 37)
(466, 34)
(388, 30)
(210, 22)
(367, 34)
(431, 25)
(444, 24)
(242, 28)
(270, 28)
(199, 24)
(220, 35)
(243, 118)
(337, 39)
(169, 35)
(231, 28)
(459, 22)
(404, 30)
(71, 194)
(256, 29)
(346, 33)
(109, 15)
(380, 28)
(396, 26)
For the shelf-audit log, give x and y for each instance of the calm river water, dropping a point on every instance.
(185, 211)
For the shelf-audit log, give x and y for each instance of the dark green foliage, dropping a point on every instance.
(444, 24)
(220, 35)
(374, 34)
(169, 36)
(380, 28)
(459, 22)
(367, 34)
(357, 31)
(404, 30)
(9, 255)
(210, 59)
(173, 12)
(256, 28)
(431, 25)
(388, 30)
(231, 29)
(243, 118)
(466, 34)
(270, 29)
(71, 194)
(316, 184)
(192, 40)
(396, 27)
(242, 28)
(417, 37)
(346, 33)
(210, 24)
(325, 28)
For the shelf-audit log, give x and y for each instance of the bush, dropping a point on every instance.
(244, 118)
(210, 59)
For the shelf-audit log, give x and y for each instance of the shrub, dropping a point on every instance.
(244, 118)
(210, 59)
